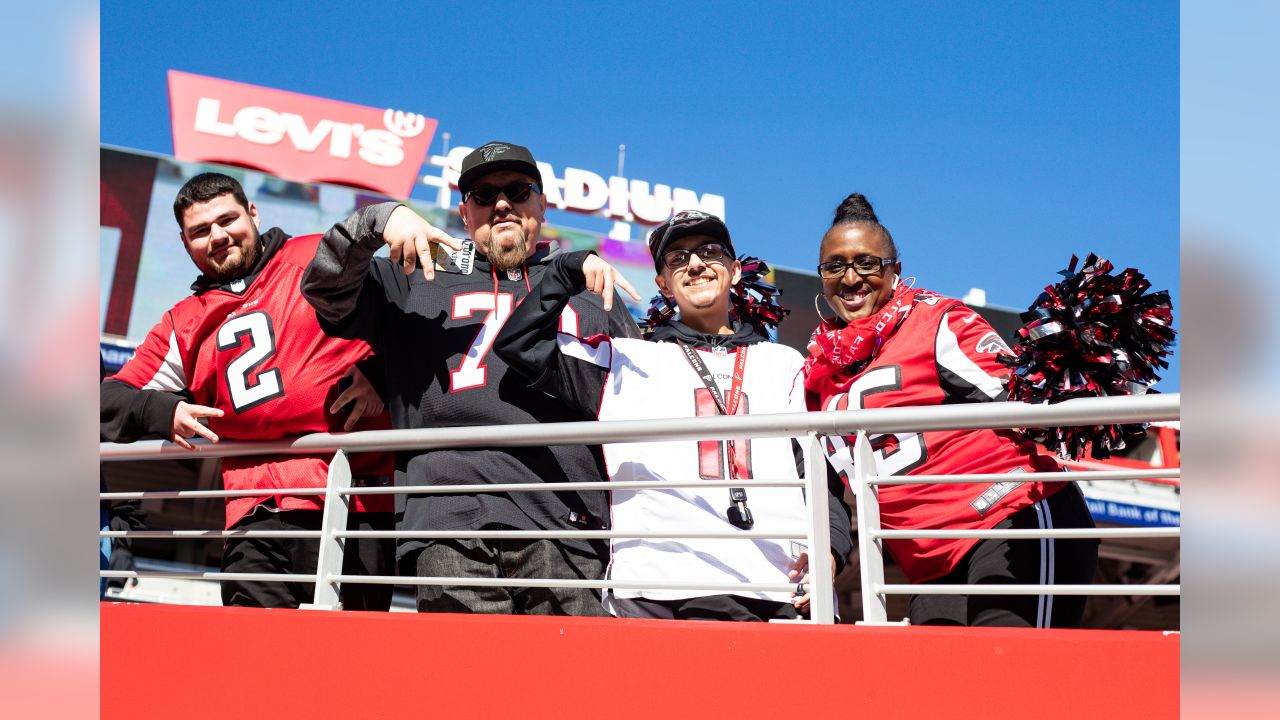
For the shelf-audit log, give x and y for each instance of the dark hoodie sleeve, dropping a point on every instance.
(127, 413)
(339, 282)
(529, 342)
(839, 515)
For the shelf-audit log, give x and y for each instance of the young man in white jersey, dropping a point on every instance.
(709, 360)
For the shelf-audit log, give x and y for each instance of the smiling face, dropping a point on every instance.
(700, 289)
(507, 233)
(851, 295)
(221, 236)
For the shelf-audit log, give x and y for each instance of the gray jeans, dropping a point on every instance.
(528, 559)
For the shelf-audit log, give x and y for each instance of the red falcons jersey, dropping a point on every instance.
(254, 349)
(942, 353)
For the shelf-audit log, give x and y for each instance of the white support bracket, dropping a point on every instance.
(329, 562)
(875, 608)
(821, 566)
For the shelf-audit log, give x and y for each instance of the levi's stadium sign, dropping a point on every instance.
(297, 137)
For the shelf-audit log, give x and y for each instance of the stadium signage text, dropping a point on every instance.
(617, 197)
(297, 137)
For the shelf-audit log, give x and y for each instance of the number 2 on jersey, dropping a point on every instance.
(262, 345)
(472, 372)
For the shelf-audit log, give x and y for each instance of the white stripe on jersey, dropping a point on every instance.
(170, 376)
(574, 346)
(951, 357)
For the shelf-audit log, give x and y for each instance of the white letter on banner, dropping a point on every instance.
(302, 137)
(683, 199)
(584, 191)
(340, 140)
(619, 198)
(259, 125)
(382, 148)
(551, 186)
(653, 208)
(207, 119)
(453, 163)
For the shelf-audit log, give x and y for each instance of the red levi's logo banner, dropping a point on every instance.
(297, 137)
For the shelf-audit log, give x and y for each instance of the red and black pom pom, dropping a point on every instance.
(1094, 334)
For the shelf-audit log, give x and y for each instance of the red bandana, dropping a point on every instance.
(838, 352)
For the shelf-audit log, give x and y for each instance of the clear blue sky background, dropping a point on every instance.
(995, 139)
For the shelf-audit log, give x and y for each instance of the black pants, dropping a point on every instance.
(299, 556)
(1021, 562)
(543, 559)
(708, 607)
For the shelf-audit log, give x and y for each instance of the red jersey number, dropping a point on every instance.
(711, 452)
(247, 387)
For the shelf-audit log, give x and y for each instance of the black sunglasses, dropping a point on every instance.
(863, 265)
(710, 252)
(516, 191)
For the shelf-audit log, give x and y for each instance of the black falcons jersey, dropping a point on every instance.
(434, 338)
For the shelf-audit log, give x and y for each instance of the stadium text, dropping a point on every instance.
(618, 198)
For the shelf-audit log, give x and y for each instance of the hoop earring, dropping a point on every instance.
(816, 309)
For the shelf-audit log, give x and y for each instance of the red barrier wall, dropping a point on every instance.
(188, 662)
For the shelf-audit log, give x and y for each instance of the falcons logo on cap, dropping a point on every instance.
(493, 150)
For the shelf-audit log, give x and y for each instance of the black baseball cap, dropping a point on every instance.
(494, 156)
(684, 224)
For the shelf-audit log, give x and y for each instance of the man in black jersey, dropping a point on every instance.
(433, 330)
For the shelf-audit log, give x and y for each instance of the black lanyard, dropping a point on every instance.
(739, 515)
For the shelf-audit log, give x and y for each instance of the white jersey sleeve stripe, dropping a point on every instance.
(595, 350)
(170, 376)
(952, 358)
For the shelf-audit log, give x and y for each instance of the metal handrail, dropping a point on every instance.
(1084, 411)
(860, 422)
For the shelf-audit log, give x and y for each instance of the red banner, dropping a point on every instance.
(297, 137)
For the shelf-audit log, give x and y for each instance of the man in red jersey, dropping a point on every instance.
(245, 354)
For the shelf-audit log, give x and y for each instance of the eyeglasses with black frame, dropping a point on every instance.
(709, 253)
(516, 191)
(863, 265)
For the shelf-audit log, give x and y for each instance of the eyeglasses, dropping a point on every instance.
(517, 191)
(710, 252)
(863, 265)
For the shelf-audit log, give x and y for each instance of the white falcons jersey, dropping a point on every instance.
(654, 380)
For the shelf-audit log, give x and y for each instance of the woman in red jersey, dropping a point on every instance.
(892, 345)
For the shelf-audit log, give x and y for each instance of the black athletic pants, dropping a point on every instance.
(1021, 562)
(299, 555)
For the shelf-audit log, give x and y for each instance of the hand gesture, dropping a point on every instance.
(601, 277)
(360, 394)
(411, 238)
(799, 573)
(186, 423)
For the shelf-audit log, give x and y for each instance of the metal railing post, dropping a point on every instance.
(875, 609)
(329, 562)
(821, 580)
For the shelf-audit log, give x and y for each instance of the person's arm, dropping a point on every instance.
(339, 282)
(149, 396)
(967, 350)
(564, 366)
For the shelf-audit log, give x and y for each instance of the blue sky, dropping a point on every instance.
(995, 139)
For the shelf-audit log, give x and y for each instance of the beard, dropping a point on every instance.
(512, 256)
(233, 267)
